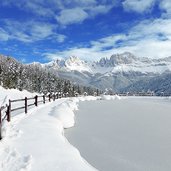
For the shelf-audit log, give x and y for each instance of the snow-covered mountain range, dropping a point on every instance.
(119, 73)
(124, 62)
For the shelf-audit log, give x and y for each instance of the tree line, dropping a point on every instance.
(35, 78)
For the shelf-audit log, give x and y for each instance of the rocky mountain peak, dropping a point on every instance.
(73, 60)
(124, 58)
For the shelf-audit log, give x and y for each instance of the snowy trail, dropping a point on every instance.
(35, 142)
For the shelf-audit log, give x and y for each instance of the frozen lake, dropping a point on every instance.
(131, 134)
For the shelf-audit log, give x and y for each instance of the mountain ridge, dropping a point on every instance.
(117, 73)
(116, 63)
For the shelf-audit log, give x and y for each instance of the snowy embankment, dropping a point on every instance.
(36, 141)
(13, 94)
(109, 97)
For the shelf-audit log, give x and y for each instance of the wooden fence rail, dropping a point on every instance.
(5, 111)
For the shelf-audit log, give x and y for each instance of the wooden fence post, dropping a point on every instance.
(57, 95)
(44, 99)
(25, 104)
(36, 100)
(0, 125)
(49, 97)
(8, 112)
(54, 97)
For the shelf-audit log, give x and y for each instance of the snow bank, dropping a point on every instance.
(65, 114)
(88, 98)
(109, 97)
(5, 101)
(13, 94)
(65, 110)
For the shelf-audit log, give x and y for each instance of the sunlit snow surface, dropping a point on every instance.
(13, 94)
(35, 142)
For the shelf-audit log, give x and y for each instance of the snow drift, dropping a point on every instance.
(110, 97)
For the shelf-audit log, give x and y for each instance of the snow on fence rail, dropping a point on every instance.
(5, 111)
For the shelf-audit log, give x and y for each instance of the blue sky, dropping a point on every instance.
(41, 30)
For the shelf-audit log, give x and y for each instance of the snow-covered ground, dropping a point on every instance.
(137, 129)
(13, 94)
(127, 134)
(36, 142)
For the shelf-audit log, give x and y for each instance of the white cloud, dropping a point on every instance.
(38, 7)
(148, 48)
(138, 6)
(65, 11)
(70, 16)
(144, 48)
(41, 30)
(84, 53)
(166, 6)
(29, 32)
(94, 52)
(4, 36)
(150, 27)
(60, 38)
(108, 42)
(148, 38)
(99, 9)
(78, 3)
(79, 14)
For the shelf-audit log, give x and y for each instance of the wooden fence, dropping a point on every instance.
(5, 111)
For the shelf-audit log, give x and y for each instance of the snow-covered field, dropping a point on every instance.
(130, 134)
(137, 129)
